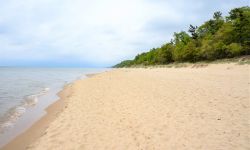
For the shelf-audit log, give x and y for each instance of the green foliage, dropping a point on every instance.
(164, 54)
(181, 38)
(240, 20)
(125, 63)
(234, 49)
(220, 37)
(217, 15)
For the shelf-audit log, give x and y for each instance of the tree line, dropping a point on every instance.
(217, 38)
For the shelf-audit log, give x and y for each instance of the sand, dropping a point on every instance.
(205, 108)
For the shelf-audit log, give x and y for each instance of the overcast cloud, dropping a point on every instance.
(94, 33)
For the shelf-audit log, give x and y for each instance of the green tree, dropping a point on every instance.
(215, 39)
(217, 15)
(211, 26)
(181, 37)
(234, 49)
(164, 54)
(192, 31)
(240, 19)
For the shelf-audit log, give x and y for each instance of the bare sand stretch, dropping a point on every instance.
(162, 108)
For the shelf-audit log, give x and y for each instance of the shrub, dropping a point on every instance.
(234, 49)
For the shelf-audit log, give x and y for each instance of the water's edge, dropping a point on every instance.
(35, 120)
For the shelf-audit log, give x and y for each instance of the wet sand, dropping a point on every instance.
(158, 108)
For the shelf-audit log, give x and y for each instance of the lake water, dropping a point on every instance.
(26, 92)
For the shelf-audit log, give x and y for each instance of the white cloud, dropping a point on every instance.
(97, 32)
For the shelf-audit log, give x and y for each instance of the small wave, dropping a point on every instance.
(6, 125)
(11, 117)
(20, 110)
(31, 100)
(46, 89)
(13, 114)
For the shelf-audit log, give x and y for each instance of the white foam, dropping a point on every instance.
(6, 125)
(46, 89)
(20, 110)
(17, 112)
(31, 100)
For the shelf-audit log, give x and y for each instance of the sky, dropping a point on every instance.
(96, 33)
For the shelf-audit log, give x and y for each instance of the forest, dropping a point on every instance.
(217, 38)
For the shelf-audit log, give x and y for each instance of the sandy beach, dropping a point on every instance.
(199, 108)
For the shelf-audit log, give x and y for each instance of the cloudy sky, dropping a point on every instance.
(94, 33)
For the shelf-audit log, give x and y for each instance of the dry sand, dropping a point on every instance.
(162, 108)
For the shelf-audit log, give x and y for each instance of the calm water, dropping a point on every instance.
(26, 92)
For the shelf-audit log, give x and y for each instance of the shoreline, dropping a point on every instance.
(38, 128)
(153, 108)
